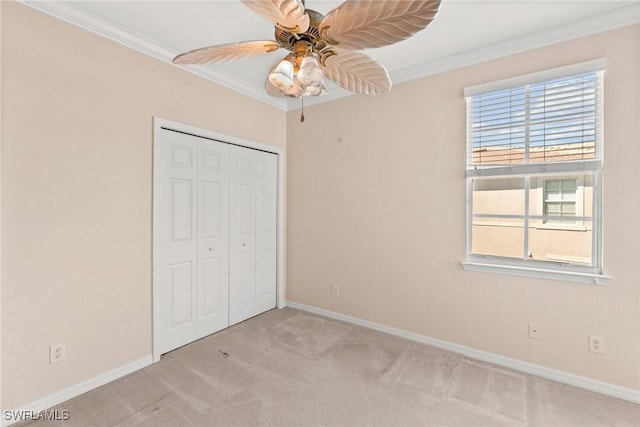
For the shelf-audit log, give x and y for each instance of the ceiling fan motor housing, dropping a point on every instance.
(311, 37)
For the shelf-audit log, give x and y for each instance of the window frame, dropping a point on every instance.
(577, 224)
(564, 271)
(546, 200)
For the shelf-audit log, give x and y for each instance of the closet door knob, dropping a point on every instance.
(244, 244)
(211, 248)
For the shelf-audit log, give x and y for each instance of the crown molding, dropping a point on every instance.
(79, 17)
(617, 18)
(74, 15)
(626, 15)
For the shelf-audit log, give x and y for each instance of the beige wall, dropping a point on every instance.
(376, 204)
(77, 176)
(376, 201)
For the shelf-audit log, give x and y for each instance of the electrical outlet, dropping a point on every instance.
(56, 353)
(335, 290)
(596, 344)
(534, 331)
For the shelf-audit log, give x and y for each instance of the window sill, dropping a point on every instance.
(538, 273)
(560, 227)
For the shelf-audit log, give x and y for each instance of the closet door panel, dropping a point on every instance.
(176, 216)
(266, 230)
(242, 202)
(213, 237)
(213, 301)
(181, 295)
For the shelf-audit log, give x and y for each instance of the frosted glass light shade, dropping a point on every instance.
(316, 89)
(295, 91)
(311, 77)
(282, 76)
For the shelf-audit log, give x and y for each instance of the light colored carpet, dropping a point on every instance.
(290, 368)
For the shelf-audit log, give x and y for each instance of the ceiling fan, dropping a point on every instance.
(324, 46)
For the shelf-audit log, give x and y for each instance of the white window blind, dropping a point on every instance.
(550, 121)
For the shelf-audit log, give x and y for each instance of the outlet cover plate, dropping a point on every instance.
(534, 331)
(596, 344)
(57, 353)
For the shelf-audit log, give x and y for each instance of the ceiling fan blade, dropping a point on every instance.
(355, 72)
(363, 24)
(227, 52)
(288, 15)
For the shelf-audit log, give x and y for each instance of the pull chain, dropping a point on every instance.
(302, 113)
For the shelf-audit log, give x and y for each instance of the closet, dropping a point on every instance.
(215, 248)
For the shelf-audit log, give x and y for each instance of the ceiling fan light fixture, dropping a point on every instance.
(295, 91)
(298, 76)
(283, 75)
(311, 78)
(315, 89)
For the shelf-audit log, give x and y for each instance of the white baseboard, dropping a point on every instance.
(78, 389)
(507, 362)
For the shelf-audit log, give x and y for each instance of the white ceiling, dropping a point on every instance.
(463, 32)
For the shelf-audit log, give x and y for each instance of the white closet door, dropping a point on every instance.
(266, 230)
(213, 238)
(176, 275)
(252, 282)
(215, 220)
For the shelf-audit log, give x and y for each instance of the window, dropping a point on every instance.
(534, 167)
(560, 199)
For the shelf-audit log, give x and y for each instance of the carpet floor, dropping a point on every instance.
(291, 368)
